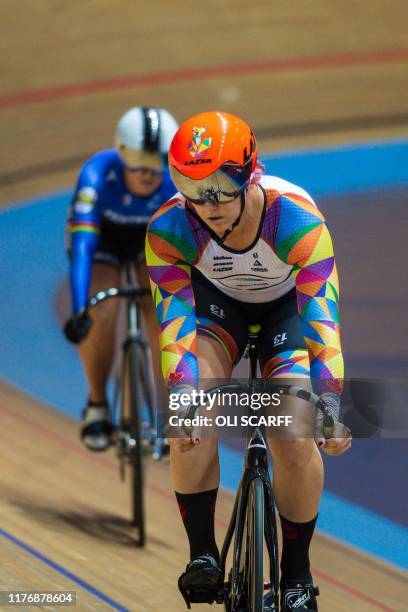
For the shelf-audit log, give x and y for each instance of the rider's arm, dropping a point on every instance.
(303, 240)
(84, 231)
(170, 251)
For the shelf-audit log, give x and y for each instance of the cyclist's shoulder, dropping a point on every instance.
(171, 215)
(276, 187)
(102, 167)
(288, 206)
(170, 229)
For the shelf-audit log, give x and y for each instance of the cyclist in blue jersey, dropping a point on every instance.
(117, 192)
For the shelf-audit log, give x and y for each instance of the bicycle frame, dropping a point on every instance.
(136, 390)
(233, 593)
(256, 466)
(133, 314)
(134, 328)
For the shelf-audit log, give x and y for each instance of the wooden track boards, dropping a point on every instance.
(68, 505)
(48, 43)
(57, 498)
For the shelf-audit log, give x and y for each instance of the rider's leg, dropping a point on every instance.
(97, 350)
(297, 465)
(196, 478)
(298, 484)
(222, 337)
(196, 473)
(298, 475)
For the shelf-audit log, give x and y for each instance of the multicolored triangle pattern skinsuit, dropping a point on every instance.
(296, 231)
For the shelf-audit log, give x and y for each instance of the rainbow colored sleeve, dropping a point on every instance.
(170, 252)
(84, 226)
(303, 240)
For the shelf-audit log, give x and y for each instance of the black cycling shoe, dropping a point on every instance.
(202, 580)
(299, 597)
(96, 431)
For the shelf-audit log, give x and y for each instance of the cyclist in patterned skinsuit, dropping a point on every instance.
(232, 248)
(117, 192)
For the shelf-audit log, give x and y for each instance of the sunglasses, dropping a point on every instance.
(222, 186)
(219, 197)
(136, 160)
(149, 170)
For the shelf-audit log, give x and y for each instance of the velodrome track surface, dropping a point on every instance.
(305, 76)
(302, 74)
(64, 526)
(68, 505)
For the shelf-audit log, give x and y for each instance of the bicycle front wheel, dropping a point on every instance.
(255, 533)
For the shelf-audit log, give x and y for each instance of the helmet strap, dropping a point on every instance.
(237, 220)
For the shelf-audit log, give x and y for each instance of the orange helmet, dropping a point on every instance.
(212, 157)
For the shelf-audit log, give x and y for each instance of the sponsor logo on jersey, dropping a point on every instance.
(82, 207)
(257, 265)
(256, 268)
(154, 202)
(85, 201)
(175, 378)
(119, 219)
(335, 385)
(280, 339)
(198, 144)
(222, 263)
(87, 194)
(111, 176)
(217, 311)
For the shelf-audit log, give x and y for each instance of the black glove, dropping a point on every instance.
(77, 327)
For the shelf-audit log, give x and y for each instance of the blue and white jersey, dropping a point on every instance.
(103, 207)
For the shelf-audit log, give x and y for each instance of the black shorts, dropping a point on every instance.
(118, 244)
(227, 320)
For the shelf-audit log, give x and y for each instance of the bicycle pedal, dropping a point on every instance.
(202, 597)
(199, 597)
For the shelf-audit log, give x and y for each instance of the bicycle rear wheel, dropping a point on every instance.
(133, 365)
(255, 534)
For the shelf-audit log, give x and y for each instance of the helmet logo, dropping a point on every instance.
(198, 144)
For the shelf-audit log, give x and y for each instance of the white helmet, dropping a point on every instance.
(143, 137)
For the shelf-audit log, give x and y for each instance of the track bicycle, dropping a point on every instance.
(133, 413)
(253, 520)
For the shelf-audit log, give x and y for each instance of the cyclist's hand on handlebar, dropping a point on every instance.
(179, 435)
(180, 440)
(183, 445)
(339, 443)
(77, 327)
(335, 439)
